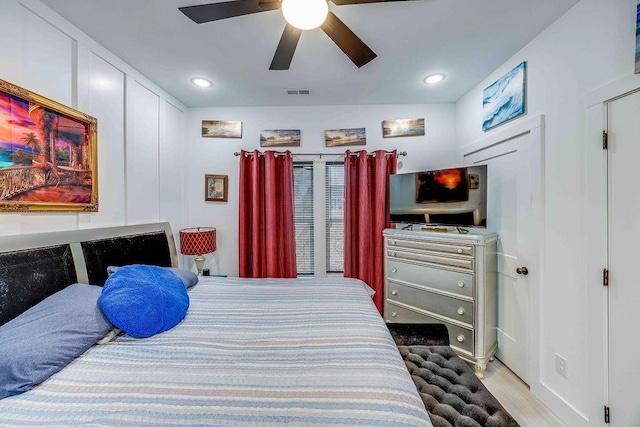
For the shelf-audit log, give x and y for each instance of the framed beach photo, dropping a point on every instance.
(48, 154)
(402, 127)
(216, 188)
(280, 138)
(504, 99)
(221, 129)
(339, 137)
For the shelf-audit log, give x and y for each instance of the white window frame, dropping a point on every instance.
(320, 211)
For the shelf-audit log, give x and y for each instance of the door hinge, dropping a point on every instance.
(606, 414)
(605, 277)
(605, 140)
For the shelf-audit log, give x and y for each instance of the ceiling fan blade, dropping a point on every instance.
(343, 2)
(287, 46)
(358, 52)
(228, 9)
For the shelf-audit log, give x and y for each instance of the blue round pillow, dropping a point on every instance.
(144, 300)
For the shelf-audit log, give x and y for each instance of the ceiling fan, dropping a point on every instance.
(357, 51)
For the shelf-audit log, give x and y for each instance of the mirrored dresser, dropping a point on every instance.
(445, 277)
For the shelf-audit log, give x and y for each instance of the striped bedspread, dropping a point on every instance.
(250, 352)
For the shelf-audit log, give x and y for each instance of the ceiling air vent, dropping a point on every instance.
(298, 92)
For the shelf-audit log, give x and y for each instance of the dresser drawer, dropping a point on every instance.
(427, 257)
(454, 308)
(459, 338)
(435, 278)
(448, 248)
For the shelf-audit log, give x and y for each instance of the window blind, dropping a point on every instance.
(303, 202)
(334, 202)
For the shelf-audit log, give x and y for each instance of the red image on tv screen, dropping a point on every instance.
(445, 185)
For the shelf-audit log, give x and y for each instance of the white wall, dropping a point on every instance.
(215, 156)
(591, 45)
(142, 143)
(140, 127)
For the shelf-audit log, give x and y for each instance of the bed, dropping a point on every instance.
(249, 351)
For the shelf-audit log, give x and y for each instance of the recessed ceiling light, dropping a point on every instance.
(434, 78)
(202, 82)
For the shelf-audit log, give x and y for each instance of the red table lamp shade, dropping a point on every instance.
(197, 240)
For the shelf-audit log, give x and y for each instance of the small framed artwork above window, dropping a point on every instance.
(402, 127)
(280, 138)
(338, 137)
(221, 129)
(216, 188)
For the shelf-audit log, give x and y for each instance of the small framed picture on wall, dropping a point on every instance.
(216, 188)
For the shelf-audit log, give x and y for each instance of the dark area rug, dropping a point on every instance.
(453, 395)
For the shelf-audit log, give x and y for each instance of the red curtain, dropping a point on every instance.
(366, 215)
(267, 226)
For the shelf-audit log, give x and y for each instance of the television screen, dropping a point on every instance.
(454, 196)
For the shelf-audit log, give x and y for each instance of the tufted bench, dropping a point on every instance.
(451, 392)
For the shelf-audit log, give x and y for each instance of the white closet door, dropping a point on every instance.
(513, 212)
(624, 235)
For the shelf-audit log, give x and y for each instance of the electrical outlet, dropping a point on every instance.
(474, 182)
(561, 365)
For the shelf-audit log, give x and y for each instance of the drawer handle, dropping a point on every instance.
(392, 253)
(394, 270)
(392, 242)
(461, 284)
(460, 338)
(460, 311)
(460, 251)
(394, 292)
(394, 314)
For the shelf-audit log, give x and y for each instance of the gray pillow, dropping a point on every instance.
(188, 278)
(47, 337)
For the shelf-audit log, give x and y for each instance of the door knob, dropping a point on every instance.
(522, 270)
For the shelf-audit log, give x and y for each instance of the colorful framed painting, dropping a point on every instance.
(221, 129)
(48, 154)
(280, 138)
(638, 37)
(504, 99)
(216, 188)
(402, 127)
(339, 137)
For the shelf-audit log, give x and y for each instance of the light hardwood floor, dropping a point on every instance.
(516, 398)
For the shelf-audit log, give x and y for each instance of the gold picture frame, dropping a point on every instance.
(48, 154)
(216, 188)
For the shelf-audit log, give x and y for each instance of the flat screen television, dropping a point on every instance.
(449, 197)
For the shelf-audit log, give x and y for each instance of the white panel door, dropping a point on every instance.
(513, 207)
(106, 101)
(171, 166)
(142, 154)
(623, 235)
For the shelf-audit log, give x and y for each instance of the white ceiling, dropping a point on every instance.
(465, 39)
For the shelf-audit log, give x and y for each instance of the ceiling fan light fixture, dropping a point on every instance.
(305, 14)
(434, 78)
(201, 82)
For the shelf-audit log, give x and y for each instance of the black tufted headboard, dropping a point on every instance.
(148, 248)
(34, 266)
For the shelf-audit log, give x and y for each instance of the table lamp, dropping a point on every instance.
(198, 241)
